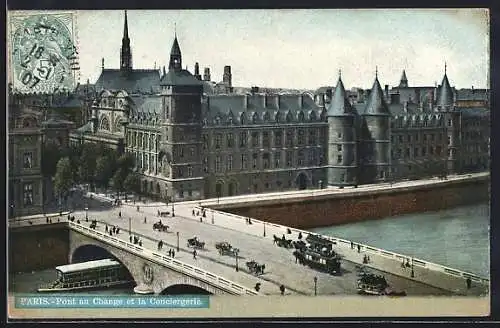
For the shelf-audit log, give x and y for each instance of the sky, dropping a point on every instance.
(301, 49)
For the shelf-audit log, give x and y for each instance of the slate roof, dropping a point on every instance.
(135, 81)
(147, 104)
(179, 77)
(474, 111)
(445, 94)
(376, 104)
(473, 94)
(339, 104)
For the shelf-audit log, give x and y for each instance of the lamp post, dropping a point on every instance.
(213, 219)
(173, 207)
(315, 286)
(130, 227)
(264, 228)
(412, 272)
(236, 253)
(177, 241)
(86, 214)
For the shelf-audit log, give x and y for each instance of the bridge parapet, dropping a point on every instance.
(432, 274)
(173, 264)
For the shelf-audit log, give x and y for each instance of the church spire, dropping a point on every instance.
(175, 55)
(126, 52)
(445, 96)
(403, 83)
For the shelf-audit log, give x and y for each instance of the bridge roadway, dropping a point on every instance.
(280, 263)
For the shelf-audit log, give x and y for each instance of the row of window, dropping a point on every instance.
(409, 138)
(143, 140)
(264, 161)
(263, 139)
(424, 151)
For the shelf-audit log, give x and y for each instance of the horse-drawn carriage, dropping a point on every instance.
(372, 284)
(195, 243)
(255, 267)
(160, 226)
(299, 244)
(318, 261)
(225, 248)
(282, 242)
(93, 225)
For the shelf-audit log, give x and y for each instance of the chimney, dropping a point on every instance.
(197, 71)
(206, 74)
(245, 101)
(227, 77)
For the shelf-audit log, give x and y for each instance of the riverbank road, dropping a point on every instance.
(280, 265)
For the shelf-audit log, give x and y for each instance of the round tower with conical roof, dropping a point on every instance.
(376, 137)
(446, 105)
(342, 139)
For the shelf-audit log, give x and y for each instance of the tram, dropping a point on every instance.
(89, 275)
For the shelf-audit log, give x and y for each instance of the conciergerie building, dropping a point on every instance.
(194, 139)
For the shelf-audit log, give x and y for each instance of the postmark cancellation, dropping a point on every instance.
(43, 52)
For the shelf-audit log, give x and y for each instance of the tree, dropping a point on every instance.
(103, 171)
(118, 181)
(63, 179)
(87, 167)
(126, 162)
(132, 183)
(50, 157)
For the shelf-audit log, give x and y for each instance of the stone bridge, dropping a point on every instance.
(153, 272)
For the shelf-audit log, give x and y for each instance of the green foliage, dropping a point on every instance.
(103, 171)
(51, 154)
(63, 179)
(132, 183)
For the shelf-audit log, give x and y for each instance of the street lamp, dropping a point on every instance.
(177, 241)
(412, 272)
(236, 253)
(315, 286)
(264, 228)
(130, 226)
(213, 217)
(86, 214)
(173, 207)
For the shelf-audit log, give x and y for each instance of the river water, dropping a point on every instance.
(457, 238)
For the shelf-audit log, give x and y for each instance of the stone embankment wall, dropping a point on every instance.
(38, 247)
(352, 206)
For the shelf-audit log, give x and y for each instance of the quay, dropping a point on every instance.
(255, 242)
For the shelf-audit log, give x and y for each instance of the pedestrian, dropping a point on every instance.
(110, 232)
(137, 208)
(120, 214)
(359, 248)
(114, 229)
(169, 252)
(140, 243)
(47, 220)
(468, 282)
(144, 219)
(78, 221)
(192, 213)
(352, 245)
(257, 287)
(130, 237)
(194, 254)
(300, 235)
(117, 230)
(282, 289)
(69, 218)
(296, 257)
(204, 213)
(201, 219)
(173, 253)
(106, 228)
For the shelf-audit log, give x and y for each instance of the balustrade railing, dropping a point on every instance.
(169, 262)
(387, 254)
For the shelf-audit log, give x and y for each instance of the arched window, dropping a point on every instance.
(312, 116)
(289, 117)
(243, 119)
(217, 120)
(230, 119)
(267, 117)
(104, 123)
(255, 118)
(301, 116)
(277, 117)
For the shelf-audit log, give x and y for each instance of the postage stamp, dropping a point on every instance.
(43, 52)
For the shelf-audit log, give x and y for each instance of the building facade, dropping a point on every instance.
(195, 139)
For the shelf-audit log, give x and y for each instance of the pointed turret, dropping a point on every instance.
(175, 56)
(340, 103)
(445, 95)
(126, 52)
(403, 83)
(376, 104)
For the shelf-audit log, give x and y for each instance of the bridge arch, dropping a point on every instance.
(184, 289)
